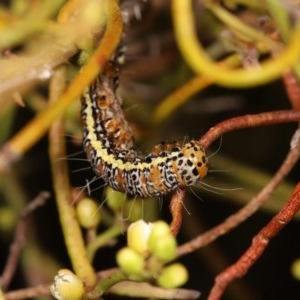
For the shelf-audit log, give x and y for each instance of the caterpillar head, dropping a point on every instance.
(196, 154)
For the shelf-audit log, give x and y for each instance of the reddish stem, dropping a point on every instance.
(268, 118)
(292, 88)
(259, 244)
(176, 210)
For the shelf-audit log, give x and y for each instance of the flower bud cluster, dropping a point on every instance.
(149, 247)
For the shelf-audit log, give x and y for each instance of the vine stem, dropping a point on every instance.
(29, 135)
(259, 244)
(198, 60)
(175, 206)
(247, 121)
(103, 238)
(292, 88)
(63, 195)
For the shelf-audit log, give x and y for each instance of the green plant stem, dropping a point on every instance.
(71, 229)
(106, 283)
(103, 239)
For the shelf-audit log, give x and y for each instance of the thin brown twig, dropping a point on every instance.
(26, 293)
(19, 239)
(176, 205)
(247, 121)
(292, 88)
(235, 219)
(259, 244)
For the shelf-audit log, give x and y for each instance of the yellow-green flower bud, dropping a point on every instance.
(88, 213)
(160, 230)
(67, 286)
(164, 248)
(138, 236)
(173, 276)
(130, 261)
(115, 199)
(162, 243)
(133, 210)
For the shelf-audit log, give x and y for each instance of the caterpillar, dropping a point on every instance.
(108, 143)
(110, 122)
